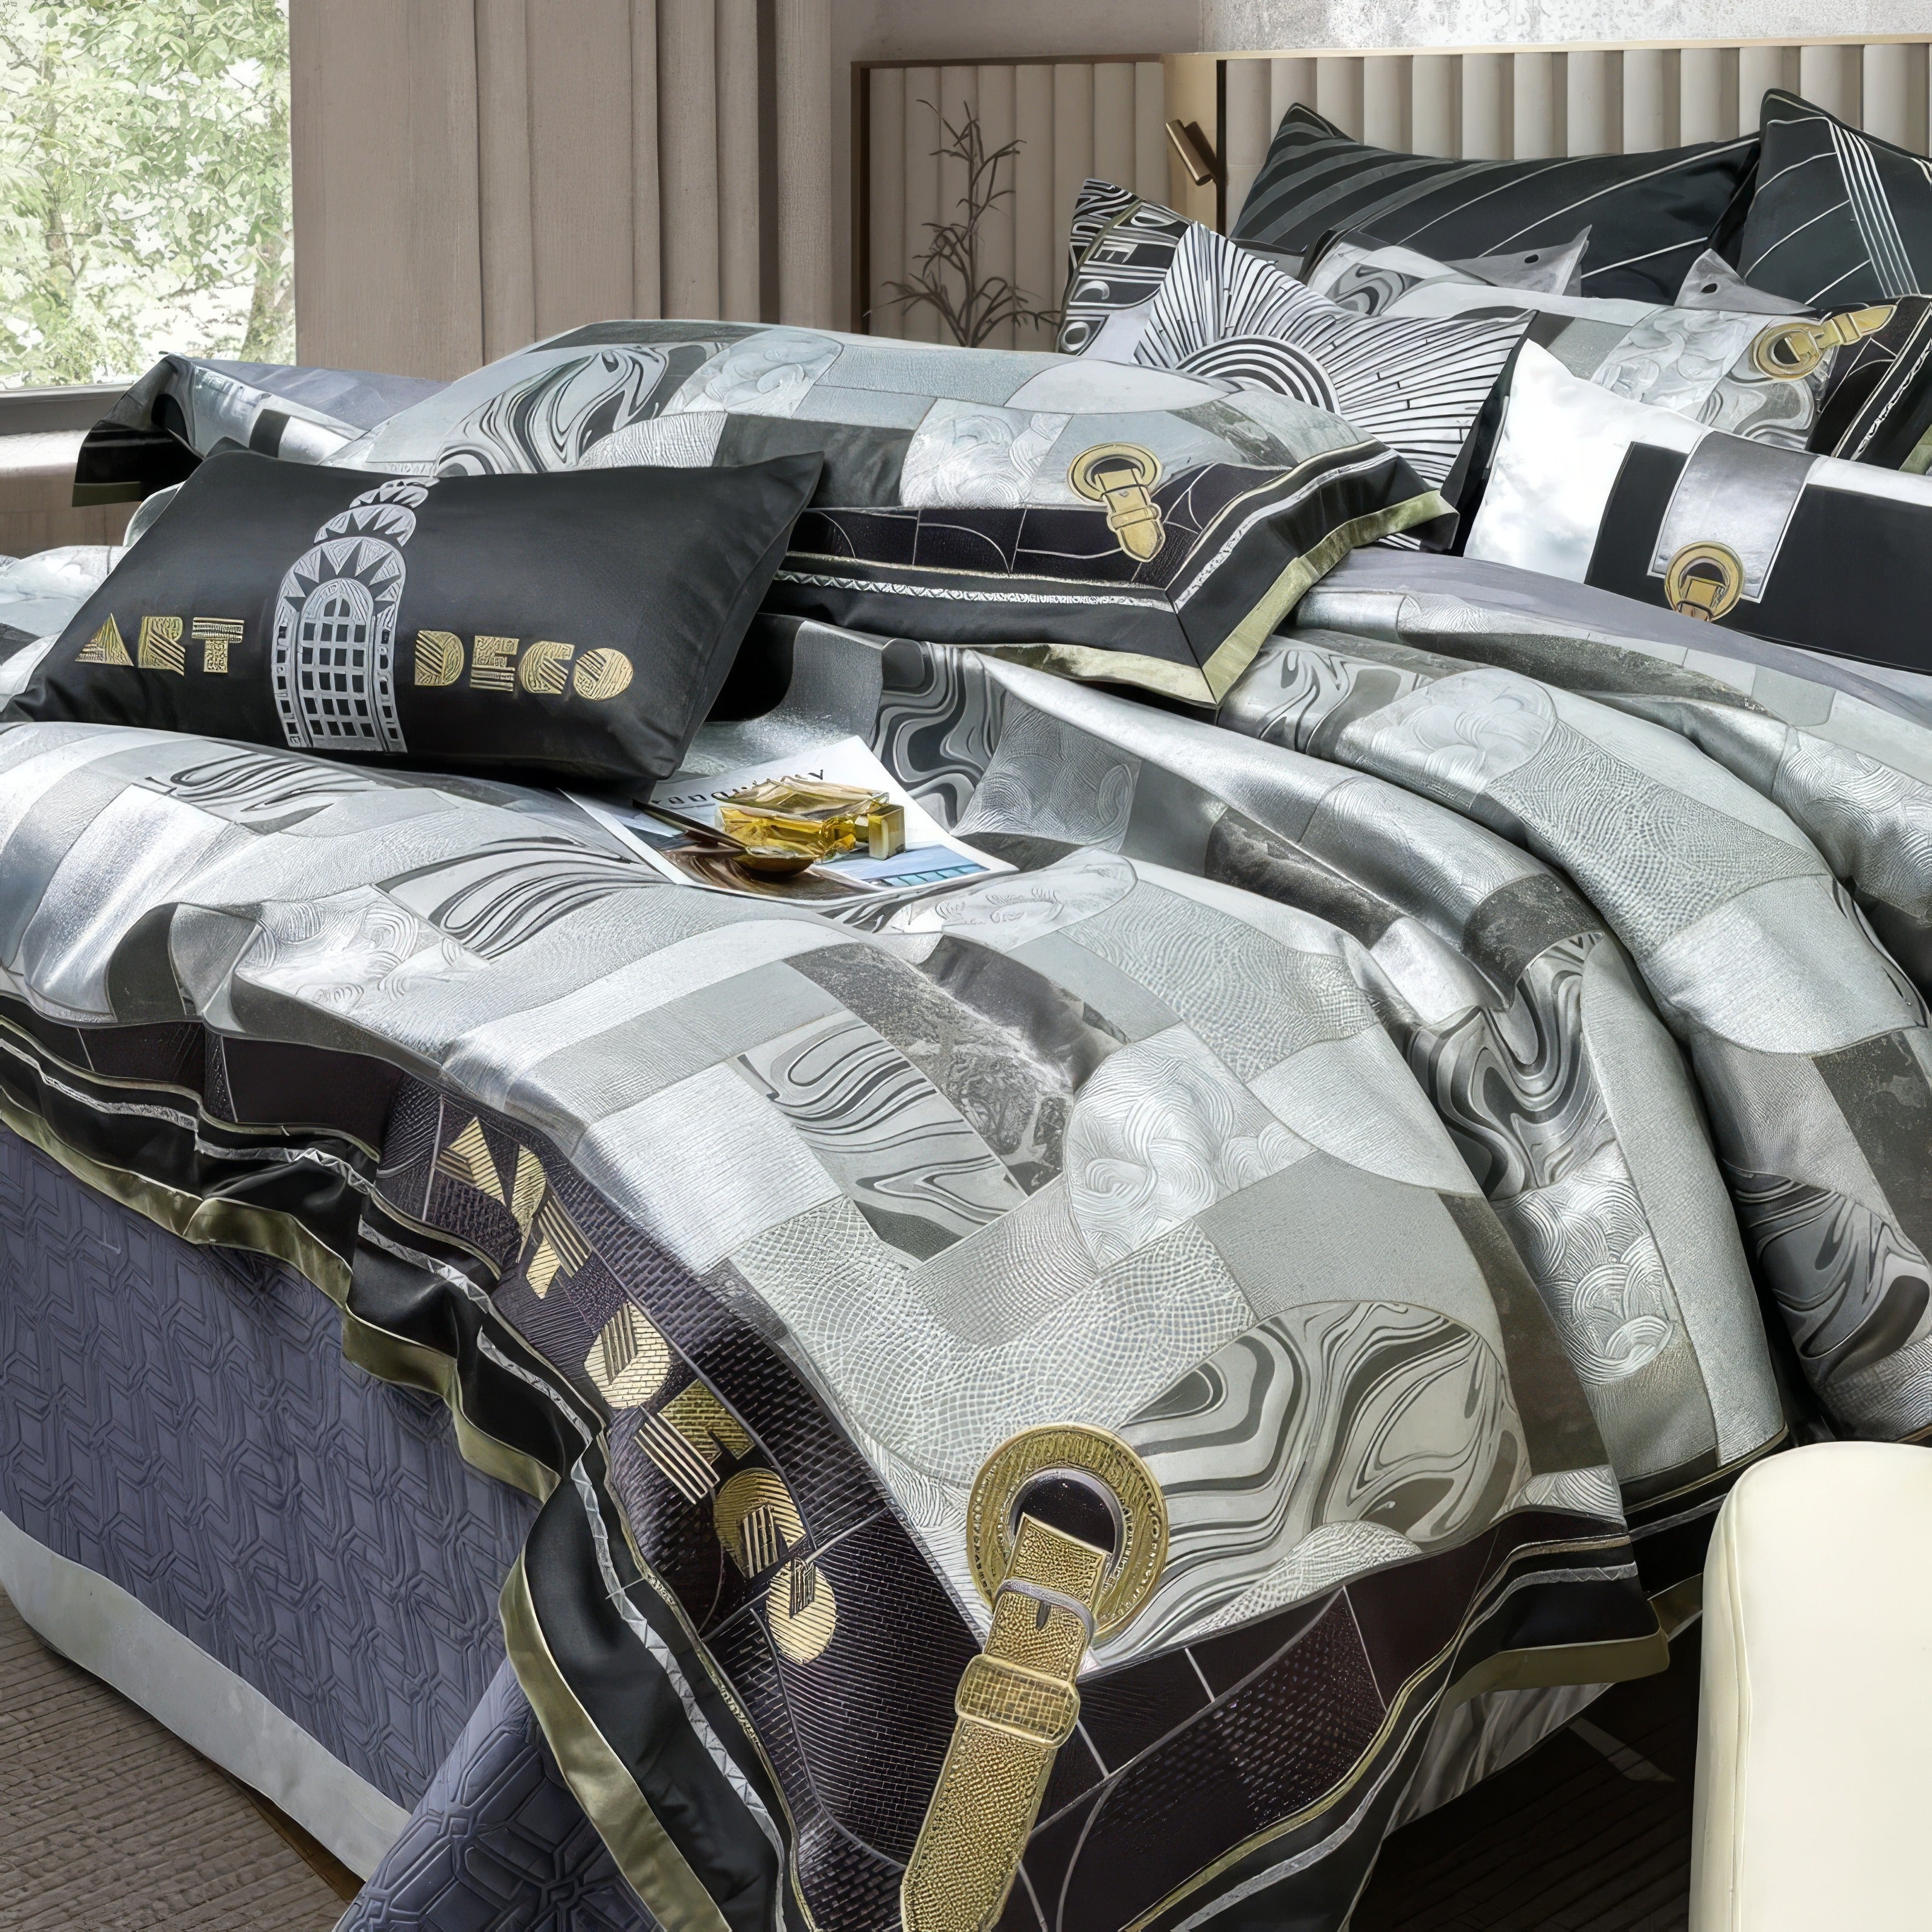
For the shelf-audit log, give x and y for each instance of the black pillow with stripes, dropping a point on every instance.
(1418, 384)
(1839, 216)
(1650, 215)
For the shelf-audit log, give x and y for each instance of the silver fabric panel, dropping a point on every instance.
(1739, 493)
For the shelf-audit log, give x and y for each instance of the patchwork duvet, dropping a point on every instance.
(1448, 1115)
(1433, 1120)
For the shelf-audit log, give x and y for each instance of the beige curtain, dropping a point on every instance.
(472, 175)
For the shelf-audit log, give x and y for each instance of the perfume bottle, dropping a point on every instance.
(813, 819)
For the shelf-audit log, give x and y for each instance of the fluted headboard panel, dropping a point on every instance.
(1072, 119)
(1501, 105)
(1107, 117)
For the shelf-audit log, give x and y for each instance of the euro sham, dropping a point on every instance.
(1223, 312)
(578, 624)
(1855, 383)
(1839, 216)
(1650, 215)
(1120, 246)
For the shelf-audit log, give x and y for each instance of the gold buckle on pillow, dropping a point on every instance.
(1791, 350)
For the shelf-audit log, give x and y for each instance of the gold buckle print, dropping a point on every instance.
(1791, 350)
(1119, 475)
(1704, 581)
(1052, 1595)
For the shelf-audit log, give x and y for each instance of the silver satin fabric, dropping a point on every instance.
(1755, 827)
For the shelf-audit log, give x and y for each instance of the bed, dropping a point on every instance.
(1426, 1082)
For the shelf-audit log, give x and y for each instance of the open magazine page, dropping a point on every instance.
(932, 856)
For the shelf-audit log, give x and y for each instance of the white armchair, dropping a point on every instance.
(1814, 1801)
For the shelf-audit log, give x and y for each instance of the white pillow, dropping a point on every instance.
(1807, 550)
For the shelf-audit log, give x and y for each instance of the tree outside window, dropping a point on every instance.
(144, 185)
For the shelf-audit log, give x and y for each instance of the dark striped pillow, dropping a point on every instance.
(1650, 215)
(1839, 216)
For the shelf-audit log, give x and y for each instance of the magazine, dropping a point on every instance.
(932, 856)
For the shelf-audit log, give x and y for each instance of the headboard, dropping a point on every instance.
(1109, 116)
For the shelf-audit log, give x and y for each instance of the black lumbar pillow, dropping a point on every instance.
(579, 622)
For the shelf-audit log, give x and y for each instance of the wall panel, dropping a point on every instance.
(1384, 102)
(1338, 91)
(1072, 148)
(1434, 88)
(888, 197)
(1073, 119)
(915, 321)
(1246, 128)
(1113, 129)
(997, 125)
(1150, 130)
(1486, 106)
(1039, 254)
(1533, 105)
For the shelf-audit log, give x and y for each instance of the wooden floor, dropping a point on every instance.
(1589, 1833)
(107, 1821)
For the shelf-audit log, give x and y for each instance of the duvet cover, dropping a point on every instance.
(1446, 1112)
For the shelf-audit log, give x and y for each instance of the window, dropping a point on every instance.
(144, 186)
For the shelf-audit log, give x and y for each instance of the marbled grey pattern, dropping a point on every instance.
(1752, 950)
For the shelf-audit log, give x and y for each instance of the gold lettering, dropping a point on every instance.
(105, 647)
(685, 1437)
(560, 1249)
(439, 658)
(527, 1190)
(545, 668)
(215, 635)
(801, 1611)
(757, 1520)
(629, 1361)
(158, 646)
(467, 1158)
(493, 664)
(600, 675)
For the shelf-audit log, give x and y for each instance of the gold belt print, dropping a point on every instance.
(1053, 1593)
(1791, 350)
(1121, 475)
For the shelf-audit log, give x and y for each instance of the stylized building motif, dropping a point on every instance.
(335, 625)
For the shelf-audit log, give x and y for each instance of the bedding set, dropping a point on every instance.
(1077, 1397)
